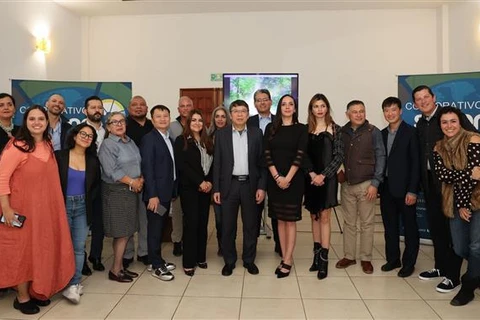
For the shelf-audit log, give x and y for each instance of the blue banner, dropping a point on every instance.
(459, 90)
(115, 96)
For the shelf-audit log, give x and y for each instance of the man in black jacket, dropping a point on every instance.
(59, 126)
(398, 191)
(447, 263)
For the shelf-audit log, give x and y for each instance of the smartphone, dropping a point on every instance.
(21, 219)
(161, 210)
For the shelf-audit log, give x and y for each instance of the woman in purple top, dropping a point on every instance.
(79, 170)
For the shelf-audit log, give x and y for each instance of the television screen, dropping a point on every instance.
(243, 86)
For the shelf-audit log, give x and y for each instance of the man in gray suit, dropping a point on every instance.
(239, 179)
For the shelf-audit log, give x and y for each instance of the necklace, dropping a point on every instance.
(7, 129)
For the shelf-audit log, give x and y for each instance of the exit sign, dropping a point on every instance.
(215, 77)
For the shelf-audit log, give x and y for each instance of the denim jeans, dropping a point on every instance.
(466, 241)
(77, 220)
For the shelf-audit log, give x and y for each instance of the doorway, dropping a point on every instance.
(204, 99)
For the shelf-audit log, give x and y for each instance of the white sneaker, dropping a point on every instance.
(80, 289)
(71, 293)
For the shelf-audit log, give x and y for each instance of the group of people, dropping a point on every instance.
(128, 175)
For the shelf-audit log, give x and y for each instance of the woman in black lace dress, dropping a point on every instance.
(285, 144)
(325, 151)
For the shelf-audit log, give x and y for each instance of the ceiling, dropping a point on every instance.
(141, 7)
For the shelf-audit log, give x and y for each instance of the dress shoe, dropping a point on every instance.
(189, 272)
(367, 267)
(86, 271)
(228, 270)
(405, 272)
(202, 265)
(40, 303)
(144, 259)
(121, 277)
(390, 266)
(97, 264)
(345, 263)
(129, 273)
(279, 267)
(26, 307)
(251, 268)
(177, 249)
(125, 262)
(282, 274)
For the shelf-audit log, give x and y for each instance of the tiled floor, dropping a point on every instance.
(345, 294)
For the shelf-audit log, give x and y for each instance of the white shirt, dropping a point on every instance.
(166, 137)
(100, 133)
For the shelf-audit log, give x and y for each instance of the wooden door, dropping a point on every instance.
(205, 99)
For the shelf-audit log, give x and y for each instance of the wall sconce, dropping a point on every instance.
(43, 45)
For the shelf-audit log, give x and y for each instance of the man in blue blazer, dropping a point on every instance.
(398, 192)
(239, 179)
(158, 169)
(263, 104)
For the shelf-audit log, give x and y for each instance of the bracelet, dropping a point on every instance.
(275, 177)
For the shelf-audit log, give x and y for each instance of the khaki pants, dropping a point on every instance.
(177, 221)
(355, 204)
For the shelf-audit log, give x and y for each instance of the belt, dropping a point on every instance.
(240, 178)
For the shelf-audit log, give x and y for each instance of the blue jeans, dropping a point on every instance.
(466, 241)
(77, 220)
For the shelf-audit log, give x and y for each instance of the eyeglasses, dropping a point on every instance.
(117, 122)
(85, 135)
(262, 100)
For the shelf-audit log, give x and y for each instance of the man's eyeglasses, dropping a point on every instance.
(85, 135)
(262, 100)
(117, 122)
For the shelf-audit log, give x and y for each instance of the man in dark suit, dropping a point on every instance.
(398, 192)
(59, 125)
(263, 104)
(447, 263)
(158, 169)
(239, 179)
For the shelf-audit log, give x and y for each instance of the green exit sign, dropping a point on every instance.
(215, 77)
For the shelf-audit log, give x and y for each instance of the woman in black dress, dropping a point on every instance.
(325, 151)
(285, 145)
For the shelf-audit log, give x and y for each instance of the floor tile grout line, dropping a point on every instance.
(300, 292)
(423, 299)
(358, 292)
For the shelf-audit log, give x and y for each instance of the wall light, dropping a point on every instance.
(43, 45)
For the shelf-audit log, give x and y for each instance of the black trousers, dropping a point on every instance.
(446, 260)
(155, 223)
(96, 246)
(393, 209)
(195, 208)
(240, 195)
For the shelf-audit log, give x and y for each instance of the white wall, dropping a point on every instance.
(464, 36)
(344, 54)
(18, 23)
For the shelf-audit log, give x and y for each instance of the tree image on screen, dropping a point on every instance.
(244, 87)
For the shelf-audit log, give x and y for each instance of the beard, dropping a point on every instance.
(96, 117)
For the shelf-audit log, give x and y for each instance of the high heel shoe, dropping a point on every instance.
(279, 267)
(281, 274)
(323, 264)
(189, 272)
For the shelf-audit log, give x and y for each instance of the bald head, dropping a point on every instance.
(185, 105)
(55, 104)
(138, 108)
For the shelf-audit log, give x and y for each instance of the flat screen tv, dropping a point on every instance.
(243, 86)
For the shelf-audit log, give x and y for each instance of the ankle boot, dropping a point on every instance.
(467, 291)
(323, 264)
(316, 256)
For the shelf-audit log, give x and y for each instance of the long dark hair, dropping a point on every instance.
(205, 139)
(70, 141)
(277, 123)
(311, 120)
(24, 140)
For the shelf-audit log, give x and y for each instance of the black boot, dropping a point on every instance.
(323, 264)
(467, 291)
(86, 271)
(316, 256)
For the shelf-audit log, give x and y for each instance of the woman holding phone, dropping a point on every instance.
(37, 258)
